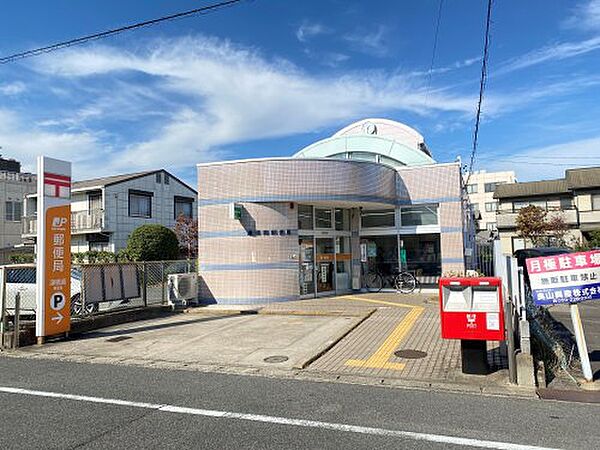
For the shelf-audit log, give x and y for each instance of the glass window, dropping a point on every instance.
(378, 218)
(566, 203)
(140, 204)
(167, 178)
(390, 161)
(364, 156)
(491, 226)
(159, 177)
(596, 202)
(95, 202)
(342, 219)
(183, 207)
(322, 218)
(522, 204)
(471, 188)
(13, 211)
(491, 206)
(339, 156)
(421, 254)
(491, 187)
(305, 217)
(419, 215)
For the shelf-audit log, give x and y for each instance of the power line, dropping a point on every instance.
(529, 158)
(435, 42)
(481, 87)
(104, 34)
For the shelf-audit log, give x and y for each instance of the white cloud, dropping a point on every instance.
(22, 140)
(586, 16)
(545, 162)
(554, 52)
(14, 88)
(219, 94)
(308, 30)
(372, 42)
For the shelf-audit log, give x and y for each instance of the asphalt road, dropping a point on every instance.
(590, 318)
(31, 419)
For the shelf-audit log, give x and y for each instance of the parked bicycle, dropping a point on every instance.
(403, 282)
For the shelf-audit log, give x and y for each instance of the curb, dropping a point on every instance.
(333, 342)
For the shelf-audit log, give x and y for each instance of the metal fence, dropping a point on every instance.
(484, 258)
(17, 299)
(95, 288)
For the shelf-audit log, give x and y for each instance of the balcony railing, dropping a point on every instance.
(508, 218)
(81, 222)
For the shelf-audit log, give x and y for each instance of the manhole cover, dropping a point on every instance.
(118, 339)
(276, 359)
(410, 354)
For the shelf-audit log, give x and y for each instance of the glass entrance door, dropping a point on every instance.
(325, 255)
(307, 266)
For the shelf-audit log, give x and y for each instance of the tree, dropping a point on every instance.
(152, 243)
(534, 224)
(531, 224)
(558, 228)
(186, 229)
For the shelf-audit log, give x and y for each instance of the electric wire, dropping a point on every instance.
(433, 53)
(104, 34)
(482, 83)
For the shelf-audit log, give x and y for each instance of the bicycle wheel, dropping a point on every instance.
(405, 283)
(374, 282)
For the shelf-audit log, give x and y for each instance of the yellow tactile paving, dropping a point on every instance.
(400, 322)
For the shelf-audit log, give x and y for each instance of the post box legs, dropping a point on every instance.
(474, 357)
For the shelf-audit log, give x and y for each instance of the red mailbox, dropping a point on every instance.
(471, 309)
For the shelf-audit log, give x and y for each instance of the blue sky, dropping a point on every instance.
(268, 77)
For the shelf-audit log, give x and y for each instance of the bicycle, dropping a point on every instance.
(403, 282)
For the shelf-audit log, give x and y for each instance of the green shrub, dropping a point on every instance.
(22, 258)
(152, 243)
(94, 256)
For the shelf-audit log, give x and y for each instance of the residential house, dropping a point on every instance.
(104, 211)
(575, 198)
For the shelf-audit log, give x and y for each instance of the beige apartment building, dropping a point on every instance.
(576, 198)
(480, 191)
(14, 185)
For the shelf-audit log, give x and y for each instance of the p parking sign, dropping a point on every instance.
(53, 247)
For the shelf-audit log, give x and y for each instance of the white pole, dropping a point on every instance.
(581, 344)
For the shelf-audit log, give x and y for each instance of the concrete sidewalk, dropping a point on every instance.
(352, 338)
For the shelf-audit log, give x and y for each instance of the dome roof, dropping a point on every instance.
(379, 140)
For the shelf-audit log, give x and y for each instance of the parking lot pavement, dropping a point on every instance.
(284, 341)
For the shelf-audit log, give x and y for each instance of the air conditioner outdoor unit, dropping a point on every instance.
(183, 289)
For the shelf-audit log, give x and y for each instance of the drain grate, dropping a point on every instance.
(275, 359)
(118, 339)
(410, 354)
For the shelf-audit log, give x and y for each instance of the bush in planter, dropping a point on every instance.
(152, 243)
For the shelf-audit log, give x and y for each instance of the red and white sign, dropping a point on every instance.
(53, 247)
(57, 185)
(471, 309)
(567, 278)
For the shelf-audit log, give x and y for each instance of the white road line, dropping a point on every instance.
(442, 439)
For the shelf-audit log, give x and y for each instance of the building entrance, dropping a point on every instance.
(325, 255)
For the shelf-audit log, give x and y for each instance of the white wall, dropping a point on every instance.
(13, 187)
(117, 220)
